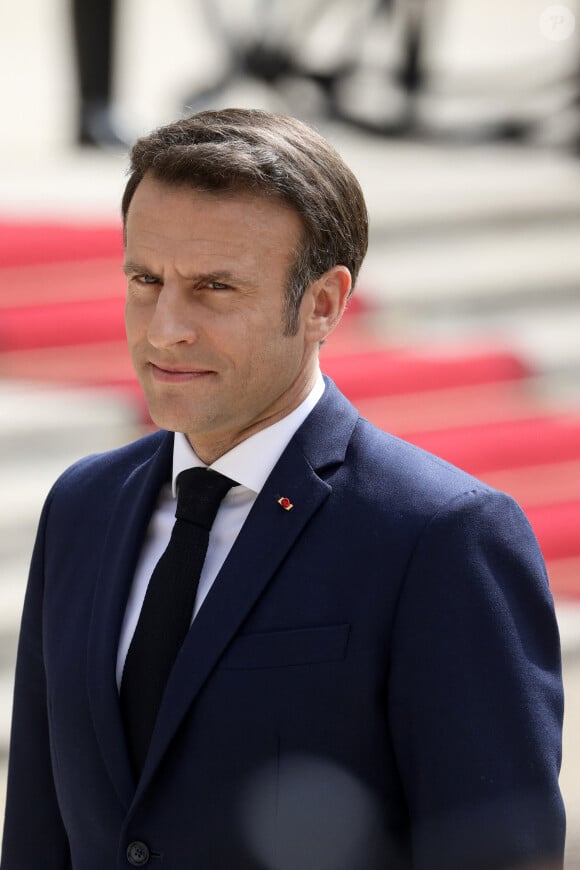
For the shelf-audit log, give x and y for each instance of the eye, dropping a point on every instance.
(145, 279)
(217, 285)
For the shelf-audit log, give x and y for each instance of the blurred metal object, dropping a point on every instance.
(370, 65)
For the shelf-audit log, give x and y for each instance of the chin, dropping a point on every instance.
(167, 419)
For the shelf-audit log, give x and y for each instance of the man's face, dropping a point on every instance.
(204, 314)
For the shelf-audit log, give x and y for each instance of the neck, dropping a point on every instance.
(211, 446)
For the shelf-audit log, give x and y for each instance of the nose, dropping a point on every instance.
(171, 322)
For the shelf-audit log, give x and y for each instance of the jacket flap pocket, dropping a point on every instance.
(280, 649)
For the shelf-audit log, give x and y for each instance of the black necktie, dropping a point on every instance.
(166, 613)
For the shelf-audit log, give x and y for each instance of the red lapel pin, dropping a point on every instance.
(285, 503)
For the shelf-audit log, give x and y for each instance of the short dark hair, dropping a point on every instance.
(234, 150)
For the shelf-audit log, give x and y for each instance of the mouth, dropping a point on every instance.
(177, 374)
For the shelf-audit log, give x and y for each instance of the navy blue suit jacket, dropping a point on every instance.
(372, 682)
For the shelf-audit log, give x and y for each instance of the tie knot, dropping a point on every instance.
(200, 492)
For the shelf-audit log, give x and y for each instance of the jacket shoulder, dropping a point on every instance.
(411, 476)
(112, 466)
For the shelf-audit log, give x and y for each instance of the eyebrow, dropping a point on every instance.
(221, 275)
(129, 267)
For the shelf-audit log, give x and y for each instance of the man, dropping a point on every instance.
(368, 674)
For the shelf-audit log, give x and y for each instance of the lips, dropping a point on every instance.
(177, 374)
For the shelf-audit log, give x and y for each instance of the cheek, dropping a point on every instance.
(273, 359)
(135, 322)
(248, 342)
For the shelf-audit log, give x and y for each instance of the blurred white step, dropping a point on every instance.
(488, 265)
(40, 418)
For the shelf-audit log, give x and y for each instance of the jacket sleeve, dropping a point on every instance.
(476, 699)
(34, 835)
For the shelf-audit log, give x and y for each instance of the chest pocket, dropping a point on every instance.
(291, 647)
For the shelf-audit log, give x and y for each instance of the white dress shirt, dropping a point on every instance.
(250, 464)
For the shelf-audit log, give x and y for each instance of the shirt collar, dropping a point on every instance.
(250, 462)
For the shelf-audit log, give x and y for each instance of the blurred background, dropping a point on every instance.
(461, 119)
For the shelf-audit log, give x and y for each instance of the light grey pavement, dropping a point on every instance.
(467, 242)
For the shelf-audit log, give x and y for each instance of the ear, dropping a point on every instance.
(326, 300)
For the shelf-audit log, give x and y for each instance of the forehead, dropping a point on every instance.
(178, 219)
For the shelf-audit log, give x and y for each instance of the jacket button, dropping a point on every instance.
(138, 854)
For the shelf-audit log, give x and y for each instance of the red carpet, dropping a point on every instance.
(61, 324)
(390, 372)
(61, 321)
(24, 244)
(505, 444)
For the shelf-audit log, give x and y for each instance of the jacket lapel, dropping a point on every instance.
(126, 531)
(267, 536)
